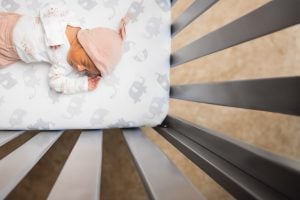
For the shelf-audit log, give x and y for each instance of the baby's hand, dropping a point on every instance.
(93, 82)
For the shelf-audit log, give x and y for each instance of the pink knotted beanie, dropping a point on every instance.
(104, 45)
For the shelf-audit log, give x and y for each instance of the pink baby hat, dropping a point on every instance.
(104, 45)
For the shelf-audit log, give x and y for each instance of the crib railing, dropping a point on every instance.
(247, 172)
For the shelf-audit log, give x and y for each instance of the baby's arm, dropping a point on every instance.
(60, 82)
(52, 24)
(54, 18)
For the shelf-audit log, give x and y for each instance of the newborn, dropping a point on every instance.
(55, 37)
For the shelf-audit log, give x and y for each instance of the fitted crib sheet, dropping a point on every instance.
(135, 94)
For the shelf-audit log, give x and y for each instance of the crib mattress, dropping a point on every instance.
(136, 93)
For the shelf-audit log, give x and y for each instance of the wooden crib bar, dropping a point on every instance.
(17, 164)
(161, 177)
(279, 95)
(81, 174)
(80, 177)
(173, 2)
(243, 169)
(246, 171)
(269, 18)
(190, 14)
(6, 136)
(230, 177)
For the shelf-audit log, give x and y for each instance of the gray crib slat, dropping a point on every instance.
(81, 174)
(173, 2)
(279, 95)
(161, 177)
(6, 136)
(240, 184)
(269, 18)
(191, 13)
(18, 163)
(279, 173)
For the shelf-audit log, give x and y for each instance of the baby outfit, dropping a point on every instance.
(33, 36)
(8, 53)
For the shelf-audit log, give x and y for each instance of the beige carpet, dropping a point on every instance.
(274, 55)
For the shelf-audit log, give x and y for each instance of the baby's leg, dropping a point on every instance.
(8, 53)
(8, 13)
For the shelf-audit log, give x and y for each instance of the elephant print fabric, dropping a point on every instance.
(135, 94)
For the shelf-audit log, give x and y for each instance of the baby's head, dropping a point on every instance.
(98, 50)
(78, 59)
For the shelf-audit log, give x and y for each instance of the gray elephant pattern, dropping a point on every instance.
(152, 27)
(133, 96)
(136, 8)
(41, 124)
(74, 107)
(122, 123)
(10, 5)
(54, 96)
(111, 4)
(137, 89)
(156, 106)
(31, 80)
(98, 116)
(165, 5)
(17, 117)
(7, 81)
(87, 4)
(163, 81)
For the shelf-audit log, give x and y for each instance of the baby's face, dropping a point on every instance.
(91, 73)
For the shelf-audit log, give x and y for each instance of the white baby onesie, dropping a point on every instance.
(33, 37)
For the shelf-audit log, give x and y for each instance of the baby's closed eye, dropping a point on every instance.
(55, 47)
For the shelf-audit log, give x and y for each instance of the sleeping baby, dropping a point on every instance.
(55, 37)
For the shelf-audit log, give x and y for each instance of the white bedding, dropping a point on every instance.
(135, 94)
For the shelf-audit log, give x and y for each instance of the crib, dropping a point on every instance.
(245, 171)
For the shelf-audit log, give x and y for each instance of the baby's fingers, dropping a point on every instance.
(95, 82)
(96, 79)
